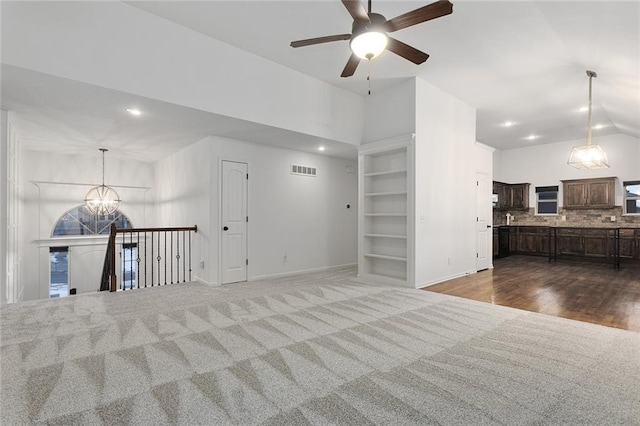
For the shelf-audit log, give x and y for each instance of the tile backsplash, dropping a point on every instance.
(578, 218)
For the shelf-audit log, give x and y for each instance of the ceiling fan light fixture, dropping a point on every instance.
(369, 44)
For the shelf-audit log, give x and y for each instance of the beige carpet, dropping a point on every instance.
(310, 349)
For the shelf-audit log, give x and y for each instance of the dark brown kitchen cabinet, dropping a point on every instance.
(502, 191)
(630, 244)
(511, 196)
(570, 242)
(590, 243)
(597, 243)
(533, 240)
(597, 193)
(519, 196)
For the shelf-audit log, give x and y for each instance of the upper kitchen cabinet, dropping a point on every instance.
(597, 193)
(511, 196)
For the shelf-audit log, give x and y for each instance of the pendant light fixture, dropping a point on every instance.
(588, 156)
(102, 200)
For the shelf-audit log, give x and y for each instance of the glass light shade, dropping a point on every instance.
(369, 45)
(588, 157)
(102, 200)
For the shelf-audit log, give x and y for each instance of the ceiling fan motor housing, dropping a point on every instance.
(376, 24)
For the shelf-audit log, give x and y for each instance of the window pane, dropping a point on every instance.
(633, 206)
(633, 190)
(68, 226)
(547, 195)
(80, 221)
(59, 268)
(548, 207)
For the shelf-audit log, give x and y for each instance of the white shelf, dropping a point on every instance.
(382, 256)
(386, 173)
(385, 214)
(384, 194)
(400, 237)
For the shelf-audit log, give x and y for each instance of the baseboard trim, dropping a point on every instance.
(302, 271)
(443, 279)
(201, 281)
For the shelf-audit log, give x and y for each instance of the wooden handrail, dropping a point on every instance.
(183, 228)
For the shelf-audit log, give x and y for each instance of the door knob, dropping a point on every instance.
(488, 226)
(226, 228)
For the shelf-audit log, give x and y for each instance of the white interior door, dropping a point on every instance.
(483, 222)
(234, 222)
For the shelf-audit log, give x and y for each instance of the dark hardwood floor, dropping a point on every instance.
(582, 291)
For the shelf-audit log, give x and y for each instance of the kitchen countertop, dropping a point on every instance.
(612, 226)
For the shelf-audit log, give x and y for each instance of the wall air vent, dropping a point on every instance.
(303, 170)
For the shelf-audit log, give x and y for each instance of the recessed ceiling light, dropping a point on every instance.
(532, 137)
(508, 124)
(583, 109)
(321, 148)
(599, 126)
(134, 111)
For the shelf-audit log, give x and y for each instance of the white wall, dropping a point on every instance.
(390, 112)
(55, 183)
(3, 211)
(304, 218)
(117, 46)
(543, 165)
(183, 195)
(447, 159)
(13, 205)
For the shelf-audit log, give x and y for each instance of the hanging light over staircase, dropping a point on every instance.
(102, 200)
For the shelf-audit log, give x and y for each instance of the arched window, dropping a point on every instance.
(80, 221)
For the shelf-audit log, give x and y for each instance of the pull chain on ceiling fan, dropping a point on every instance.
(368, 38)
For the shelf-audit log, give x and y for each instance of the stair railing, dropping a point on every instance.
(149, 257)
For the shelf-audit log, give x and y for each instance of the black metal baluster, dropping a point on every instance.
(190, 261)
(131, 260)
(165, 257)
(151, 258)
(145, 259)
(184, 265)
(178, 257)
(158, 259)
(123, 260)
(138, 260)
(171, 257)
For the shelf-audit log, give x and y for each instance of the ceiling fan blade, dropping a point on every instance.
(410, 53)
(357, 11)
(318, 40)
(351, 66)
(423, 14)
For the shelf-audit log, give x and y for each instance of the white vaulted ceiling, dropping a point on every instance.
(519, 61)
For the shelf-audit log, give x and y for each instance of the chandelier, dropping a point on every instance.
(588, 156)
(102, 200)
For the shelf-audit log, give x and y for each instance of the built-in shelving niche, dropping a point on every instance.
(384, 218)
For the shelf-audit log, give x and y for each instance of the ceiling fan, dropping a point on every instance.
(368, 38)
